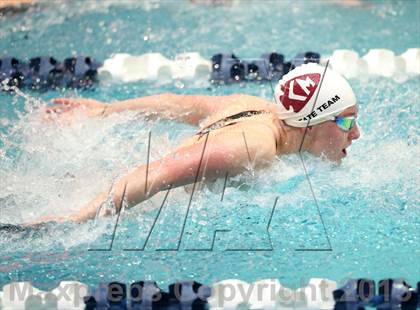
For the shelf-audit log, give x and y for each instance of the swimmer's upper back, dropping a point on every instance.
(237, 104)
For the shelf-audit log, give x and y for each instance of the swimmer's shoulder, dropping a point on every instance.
(237, 103)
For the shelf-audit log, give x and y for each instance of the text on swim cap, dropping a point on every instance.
(321, 108)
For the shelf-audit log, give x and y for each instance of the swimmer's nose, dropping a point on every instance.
(354, 133)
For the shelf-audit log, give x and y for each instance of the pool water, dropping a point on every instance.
(369, 205)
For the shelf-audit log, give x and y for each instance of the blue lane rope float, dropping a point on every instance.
(11, 71)
(228, 68)
(44, 72)
(271, 66)
(189, 294)
(304, 58)
(80, 72)
(397, 294)
(147, 295)
(392, 294)
(355, 294)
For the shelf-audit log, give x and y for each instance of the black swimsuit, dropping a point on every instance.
(222, 123)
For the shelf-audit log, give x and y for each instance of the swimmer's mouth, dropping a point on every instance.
(344, 151)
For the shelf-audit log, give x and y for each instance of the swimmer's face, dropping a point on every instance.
(329, 140)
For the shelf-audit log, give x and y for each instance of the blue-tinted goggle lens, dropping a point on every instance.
(345, 123)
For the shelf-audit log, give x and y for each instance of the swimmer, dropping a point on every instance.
(315, 111)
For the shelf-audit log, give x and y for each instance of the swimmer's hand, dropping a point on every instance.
(66, 108)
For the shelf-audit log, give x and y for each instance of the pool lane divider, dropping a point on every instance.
(45, 72)
(355, 294)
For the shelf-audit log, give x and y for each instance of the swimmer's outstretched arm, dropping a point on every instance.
(181, 168)
(189, 109)
(185, 108)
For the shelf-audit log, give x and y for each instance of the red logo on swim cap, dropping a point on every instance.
(299, 90)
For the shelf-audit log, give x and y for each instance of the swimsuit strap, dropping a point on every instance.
(222, 123)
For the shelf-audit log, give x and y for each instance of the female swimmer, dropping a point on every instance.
(315, 111)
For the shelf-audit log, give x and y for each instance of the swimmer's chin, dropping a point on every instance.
(334, 160)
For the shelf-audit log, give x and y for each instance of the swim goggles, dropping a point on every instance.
(345, 123)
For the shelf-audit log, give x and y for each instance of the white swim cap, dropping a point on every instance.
(296, 92)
